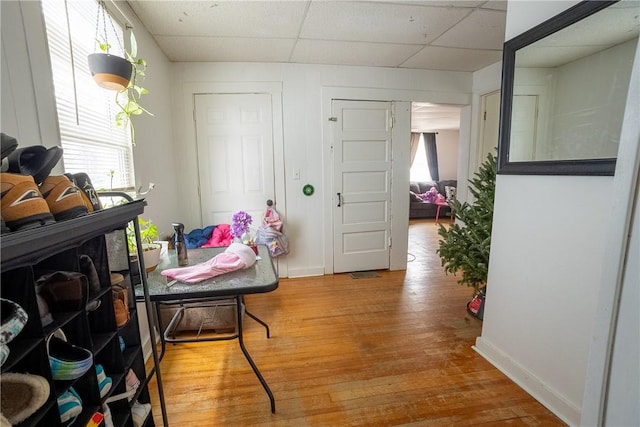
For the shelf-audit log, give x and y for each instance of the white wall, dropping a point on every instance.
(305, 113)
(546, 269)
(447, 146)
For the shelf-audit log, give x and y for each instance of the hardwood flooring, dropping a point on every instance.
(392, 350)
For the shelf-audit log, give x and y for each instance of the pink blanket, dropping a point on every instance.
(236, 257)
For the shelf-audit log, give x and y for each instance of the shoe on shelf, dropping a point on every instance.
(140, 412)
(22, 395)
(132, 383)
(104, 382)
(13, 320)
(63, 197)
(69, 405)
(120, 304)
(67, 361)
(23, 206)
(88, 193)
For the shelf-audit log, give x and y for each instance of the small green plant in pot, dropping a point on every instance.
(465, 246)
(149, 238)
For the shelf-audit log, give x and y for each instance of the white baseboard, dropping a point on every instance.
(305, 272)
(550, 398)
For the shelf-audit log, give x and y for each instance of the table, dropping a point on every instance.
(440, 205)
(259, 278)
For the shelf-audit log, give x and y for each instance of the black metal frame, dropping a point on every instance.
(570, 16)
(166, 332)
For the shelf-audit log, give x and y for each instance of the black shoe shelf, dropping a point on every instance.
(57, 247)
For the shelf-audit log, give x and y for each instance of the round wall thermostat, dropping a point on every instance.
(308, 190)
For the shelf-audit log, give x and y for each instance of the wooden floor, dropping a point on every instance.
(392, 350)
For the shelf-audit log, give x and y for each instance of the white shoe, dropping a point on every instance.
(140, 412)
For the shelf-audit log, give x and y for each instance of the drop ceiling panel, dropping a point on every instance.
(271, 19)
(223, 49)
(351, 53)
(442, 58)
(378, 22)
(483, 29)
(390, 33)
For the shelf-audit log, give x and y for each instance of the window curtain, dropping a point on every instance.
(415, 140)
(432, 154)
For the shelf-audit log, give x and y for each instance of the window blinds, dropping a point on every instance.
(91, 141)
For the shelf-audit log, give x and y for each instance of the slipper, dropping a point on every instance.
(67, 361)
(13, 320)
(37, 161)
(22, 395)
(9, 144)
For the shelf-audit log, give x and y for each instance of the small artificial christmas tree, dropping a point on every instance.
(465, 245)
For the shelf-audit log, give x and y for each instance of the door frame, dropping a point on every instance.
(401, 109)
(190, 155)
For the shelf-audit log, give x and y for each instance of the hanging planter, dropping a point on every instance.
(123, 74)
(110, 71)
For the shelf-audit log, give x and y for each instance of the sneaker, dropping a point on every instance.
(89, 194)
(104, 382)
(63, 197)
(132, 383)
(69, 405)
(108, 419)
(23, 207)
(140, 412)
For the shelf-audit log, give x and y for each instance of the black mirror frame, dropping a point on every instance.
(604, 167)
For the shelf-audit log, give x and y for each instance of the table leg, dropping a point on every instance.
(438, 213)
(254, 317)
(248, 357)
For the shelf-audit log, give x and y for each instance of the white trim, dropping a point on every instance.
(625, 182)
(400, 226)
(306, 272)
(272, 88)
(550, 398)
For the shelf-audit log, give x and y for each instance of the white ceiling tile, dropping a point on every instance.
(483, 29)
(441, 58)
(222, 18)
(351, 53)
(372, 33)
(224, 49)
(378, 22)
(495, 4)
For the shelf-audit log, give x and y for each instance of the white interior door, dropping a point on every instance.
(361, 185)
(490, 126)
(235, 155)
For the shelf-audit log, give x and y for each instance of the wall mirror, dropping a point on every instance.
(564, 91)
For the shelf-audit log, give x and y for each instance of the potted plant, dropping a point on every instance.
(465, 245)
(150, 246)
(125, 76)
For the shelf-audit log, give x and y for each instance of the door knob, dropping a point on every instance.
(339, 199)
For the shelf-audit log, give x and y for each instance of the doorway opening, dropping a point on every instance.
(443, 121)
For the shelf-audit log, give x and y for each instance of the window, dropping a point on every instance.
(91, 141)
(420, 168)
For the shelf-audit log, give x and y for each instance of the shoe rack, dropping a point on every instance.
(57, 247)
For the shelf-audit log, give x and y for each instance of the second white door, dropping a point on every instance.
(361, 185)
